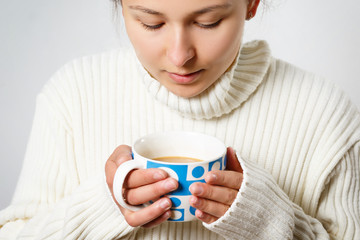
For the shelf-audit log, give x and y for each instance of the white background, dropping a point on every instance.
(39, 36)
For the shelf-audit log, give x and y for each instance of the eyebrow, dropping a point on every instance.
(145, 10)
(198, 12)
(212, 8)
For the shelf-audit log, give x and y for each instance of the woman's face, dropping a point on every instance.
(186, 45)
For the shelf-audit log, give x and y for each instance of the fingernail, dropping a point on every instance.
(193, 200)
(199, 214)
(196, 189)
(159, 175)
(210, 177)
(167, 214)
(170, 185)
(165, 204)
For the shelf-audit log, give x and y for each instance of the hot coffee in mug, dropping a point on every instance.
(185, 156)
(177, 159)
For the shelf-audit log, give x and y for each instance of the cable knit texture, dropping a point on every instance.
(295, 134)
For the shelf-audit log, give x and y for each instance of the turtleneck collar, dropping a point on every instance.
(227, 93)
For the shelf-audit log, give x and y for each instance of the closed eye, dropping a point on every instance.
(209, 26)
(152, 27)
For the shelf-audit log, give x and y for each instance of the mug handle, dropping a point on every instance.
(121, 173)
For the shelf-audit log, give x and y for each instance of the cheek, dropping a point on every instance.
(147, 48)
(221, 50)
(224, 45)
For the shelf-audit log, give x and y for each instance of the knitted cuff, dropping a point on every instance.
(261, 209)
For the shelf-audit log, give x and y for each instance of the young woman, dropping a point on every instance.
(293, 169)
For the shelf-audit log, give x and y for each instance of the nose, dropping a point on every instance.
(180, 49)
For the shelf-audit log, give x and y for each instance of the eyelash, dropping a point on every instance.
(158, 26)
(210, 26)
(152, 27)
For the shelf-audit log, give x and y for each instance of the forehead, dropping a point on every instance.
(175, 7)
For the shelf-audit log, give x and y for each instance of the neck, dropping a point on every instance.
(233, 88)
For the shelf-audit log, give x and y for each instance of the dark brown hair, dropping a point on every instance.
(117, 3)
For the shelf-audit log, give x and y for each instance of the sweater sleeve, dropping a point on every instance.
(51, 202)
(263, 211)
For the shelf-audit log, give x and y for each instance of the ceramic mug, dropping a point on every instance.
(198, 154)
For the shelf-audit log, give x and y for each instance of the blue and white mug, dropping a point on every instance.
(210, 152)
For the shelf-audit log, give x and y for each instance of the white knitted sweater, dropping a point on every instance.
(296, 135)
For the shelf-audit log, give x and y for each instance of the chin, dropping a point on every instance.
(186, 92)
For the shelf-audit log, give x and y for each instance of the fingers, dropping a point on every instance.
(213, 198)
(165, 216)
(141, 177)
(212, 208)
(228, 179)
(120, 155)
(209, 210)
(207, 218)
(152, 215)
(215, 193)
(140, 187)
(136, 196)
(232, 161)
(110, 170)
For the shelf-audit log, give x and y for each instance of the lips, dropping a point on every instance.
(184, 78)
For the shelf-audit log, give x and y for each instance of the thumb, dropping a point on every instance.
(120, 155)
(232, 161)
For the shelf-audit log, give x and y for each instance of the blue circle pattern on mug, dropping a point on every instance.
(198, 171)
(186, 175)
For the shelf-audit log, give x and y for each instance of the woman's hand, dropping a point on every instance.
(213, 198)
(140, 187)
